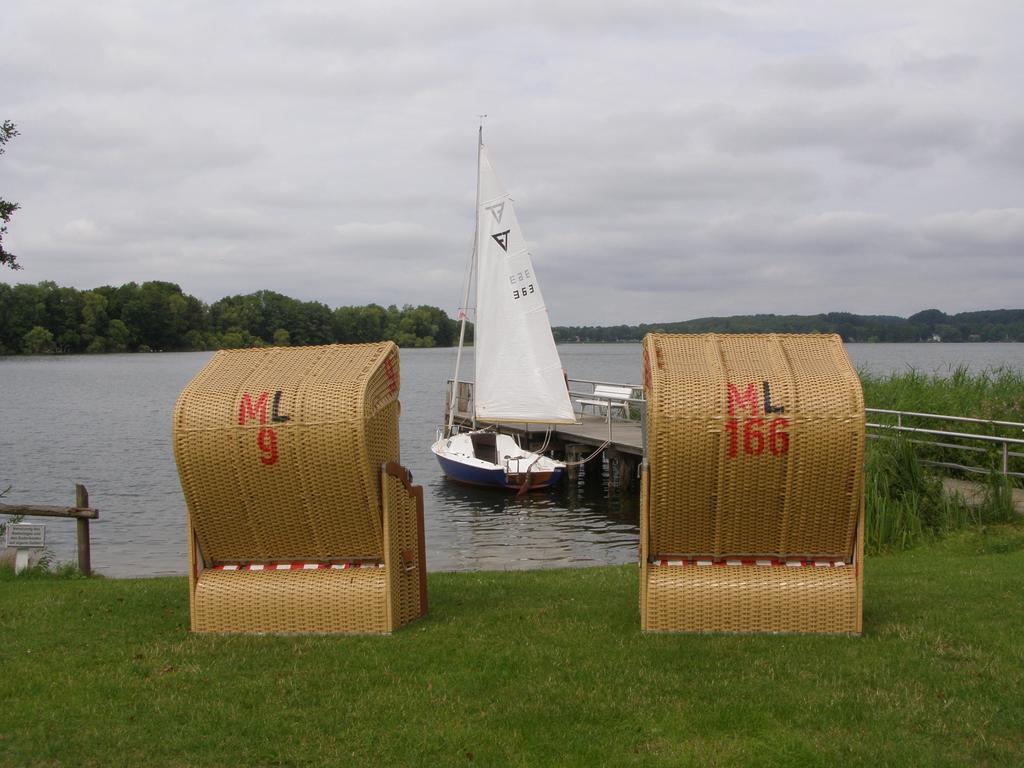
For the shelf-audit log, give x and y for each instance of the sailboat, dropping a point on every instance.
(519, 377)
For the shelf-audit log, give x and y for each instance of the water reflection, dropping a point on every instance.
(581, 523)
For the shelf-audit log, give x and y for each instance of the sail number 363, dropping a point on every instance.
(522, 293)
(521, 285)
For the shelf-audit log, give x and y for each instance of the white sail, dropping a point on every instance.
(519, 375)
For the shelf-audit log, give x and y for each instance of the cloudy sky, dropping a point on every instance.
(669, 159)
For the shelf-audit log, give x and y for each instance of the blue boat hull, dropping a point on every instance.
(496, 478)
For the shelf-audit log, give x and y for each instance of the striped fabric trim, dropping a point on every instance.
(763, 562)
(299, 566)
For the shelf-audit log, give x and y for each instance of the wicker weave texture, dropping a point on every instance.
(752, 599)
(754, 450)
(722, 482)
(292, 601)
(280, 454)
(305, 485)
(406, 556)
(763, 599)
(373, 599)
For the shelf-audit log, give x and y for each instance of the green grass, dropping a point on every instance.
(525, 668)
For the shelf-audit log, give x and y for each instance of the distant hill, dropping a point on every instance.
(929, 325)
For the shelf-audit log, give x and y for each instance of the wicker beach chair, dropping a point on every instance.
(300, 518)
(752, 510)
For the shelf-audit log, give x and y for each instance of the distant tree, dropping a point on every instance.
(159, 316)
(24, 307)
(345, 321)
(37, 341)
(312, 325)
(94, 319)
(7, 132)
(195, 340)
(373, 321)
(118, 336)
(63, 315)
(928, 320)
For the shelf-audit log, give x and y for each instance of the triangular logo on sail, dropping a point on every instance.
(496, 210)
(502, 239)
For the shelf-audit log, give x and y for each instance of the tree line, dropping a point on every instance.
(929, 325)
(45, 317)
(156, 315)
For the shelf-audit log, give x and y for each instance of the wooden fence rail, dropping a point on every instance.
(81, 512)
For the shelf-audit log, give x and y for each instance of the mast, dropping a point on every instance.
(469, 281)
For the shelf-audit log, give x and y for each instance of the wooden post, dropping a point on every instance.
(593, 470)
(84, 556)
(621, 468)
(630, 467)
(614, 463)
(574, 453)
(81, 512)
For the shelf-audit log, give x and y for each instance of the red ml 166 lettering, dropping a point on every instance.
(755, 438)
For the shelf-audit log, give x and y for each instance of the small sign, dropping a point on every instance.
(26, 536)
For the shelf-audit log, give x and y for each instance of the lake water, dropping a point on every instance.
(105, 421)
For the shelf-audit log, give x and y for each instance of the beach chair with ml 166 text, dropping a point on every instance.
(752, 516)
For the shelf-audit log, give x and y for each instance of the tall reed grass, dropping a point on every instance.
(907, 505)
(994, 394)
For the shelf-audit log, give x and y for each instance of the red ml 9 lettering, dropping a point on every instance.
(267, 442)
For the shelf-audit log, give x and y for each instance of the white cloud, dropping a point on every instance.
(982, 232)
(82, 230)
(668, 160)
(821, 72)
(881, 134)
(943, 67)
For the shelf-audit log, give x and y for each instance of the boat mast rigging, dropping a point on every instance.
(465, 296)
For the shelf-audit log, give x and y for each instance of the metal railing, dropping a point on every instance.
(463, 400)
(925, 426)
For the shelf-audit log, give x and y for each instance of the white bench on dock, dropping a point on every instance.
(607, 396)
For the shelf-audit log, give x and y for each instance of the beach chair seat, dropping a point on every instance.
(752, 487)
(300, 518)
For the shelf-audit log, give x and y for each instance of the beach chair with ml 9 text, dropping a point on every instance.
(300, 518)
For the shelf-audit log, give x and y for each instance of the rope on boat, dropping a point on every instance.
(547, 441)
(540, 452)
(580, 463)
(596, 452)
(526, 482)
